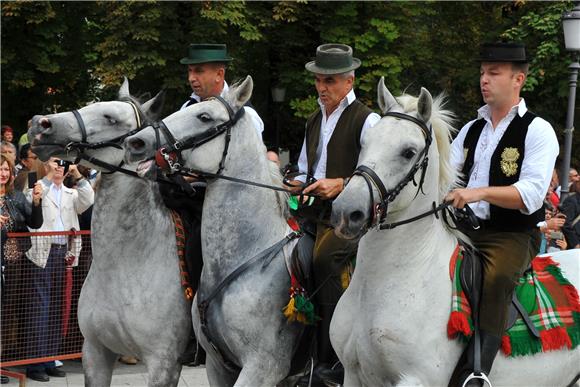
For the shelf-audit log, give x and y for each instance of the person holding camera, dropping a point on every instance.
(571, 208)
(60, 209)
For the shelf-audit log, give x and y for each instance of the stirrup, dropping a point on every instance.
(481, 376)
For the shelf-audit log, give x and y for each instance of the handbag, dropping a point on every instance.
(11, 251)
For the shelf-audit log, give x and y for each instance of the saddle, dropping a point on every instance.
(471, 277)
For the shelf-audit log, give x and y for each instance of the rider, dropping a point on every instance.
(506, 157)
(330, 153)
(206, 69)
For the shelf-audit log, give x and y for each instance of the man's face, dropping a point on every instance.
(206, 79)
(7, 136)
(9, 152)
(332, 88)
(499, 83)
(28, 160)
(55, 170)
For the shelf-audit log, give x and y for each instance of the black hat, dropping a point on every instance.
(503, 52)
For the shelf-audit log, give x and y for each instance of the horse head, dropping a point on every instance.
(94, 131)
(397, 163)
(195, 138)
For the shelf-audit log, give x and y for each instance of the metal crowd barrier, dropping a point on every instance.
(39, 304)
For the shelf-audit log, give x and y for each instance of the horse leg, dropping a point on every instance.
(257, 374)
(98, 363)
(162, 371)
(217, 374)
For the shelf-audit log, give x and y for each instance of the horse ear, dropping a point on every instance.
(153, 107)
(124, 90)
(385, 99)
(242, 92)
(424, 105)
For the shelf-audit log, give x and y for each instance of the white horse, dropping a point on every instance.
(132, 301)
(389, 328)
(245, 327)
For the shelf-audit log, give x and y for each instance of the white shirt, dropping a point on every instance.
(327, 126)
(541, 150)
(258, 123)
(58, 224)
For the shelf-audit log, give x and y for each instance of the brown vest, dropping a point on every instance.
(344, 145)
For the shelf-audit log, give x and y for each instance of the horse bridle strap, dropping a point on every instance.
(167, 156)
(379, 211)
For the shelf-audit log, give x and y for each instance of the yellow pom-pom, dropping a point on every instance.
(290, 310)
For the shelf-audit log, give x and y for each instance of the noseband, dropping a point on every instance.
(83, 145)
(169, 158)
(379, 211)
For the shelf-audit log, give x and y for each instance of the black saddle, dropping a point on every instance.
(471, 276)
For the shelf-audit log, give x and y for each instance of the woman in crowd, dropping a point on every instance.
(15, 214)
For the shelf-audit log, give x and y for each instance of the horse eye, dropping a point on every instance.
(204, 117)
(409, 153)
(110, 119)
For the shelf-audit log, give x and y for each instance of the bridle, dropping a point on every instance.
(169, 158)
(379, 211)
(82, 146)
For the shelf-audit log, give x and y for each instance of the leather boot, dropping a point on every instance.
(194, 355)
(316, 381)
(490, 345)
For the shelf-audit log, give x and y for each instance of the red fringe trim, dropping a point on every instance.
(506, 345)
(458, 324)
(573, 298)
(554, 339)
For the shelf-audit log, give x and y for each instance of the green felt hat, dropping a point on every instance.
(333, 59)
(205, 53)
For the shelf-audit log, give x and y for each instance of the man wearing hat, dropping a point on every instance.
(330, 154)
(506, 157)
(206, 70)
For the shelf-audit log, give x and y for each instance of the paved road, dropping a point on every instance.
(124, 375)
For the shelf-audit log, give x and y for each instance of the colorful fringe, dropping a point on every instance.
(299, 308)
(550, 299)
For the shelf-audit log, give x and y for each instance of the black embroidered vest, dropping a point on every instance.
(505, 169)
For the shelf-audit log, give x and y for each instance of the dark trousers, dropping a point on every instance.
(46, 307)
(330, 258)
(505, 256)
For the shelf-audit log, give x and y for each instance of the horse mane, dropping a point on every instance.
(442, 121)
(281, 197)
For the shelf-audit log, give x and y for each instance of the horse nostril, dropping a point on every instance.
(356, 216)
(137, 144)
(45, 123)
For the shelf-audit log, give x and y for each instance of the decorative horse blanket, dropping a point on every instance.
(551, 302)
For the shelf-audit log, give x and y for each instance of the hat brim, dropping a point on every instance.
(188, 61)
(488, 60)
(311, 66)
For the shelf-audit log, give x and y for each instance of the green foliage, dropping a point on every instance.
(60, 55)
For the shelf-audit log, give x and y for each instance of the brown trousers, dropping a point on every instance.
(330, 258)
(505, 256)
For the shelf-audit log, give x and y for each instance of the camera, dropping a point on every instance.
(556, 235)
(62, 163)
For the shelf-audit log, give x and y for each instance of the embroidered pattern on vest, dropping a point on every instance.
(509, 158)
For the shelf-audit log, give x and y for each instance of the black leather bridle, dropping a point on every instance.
(81, 146)
(379, 211)
(169, 158)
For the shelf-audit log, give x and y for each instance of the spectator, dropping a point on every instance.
(27, 159)
(573, 177)
(571, 208)
(24, 138)
(7, 133)
(8, 149)
(60, 208)
(16, 213)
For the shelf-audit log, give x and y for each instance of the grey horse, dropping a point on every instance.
(132, 301)
(245, 326)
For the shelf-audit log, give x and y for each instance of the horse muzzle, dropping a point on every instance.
(349, 223)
